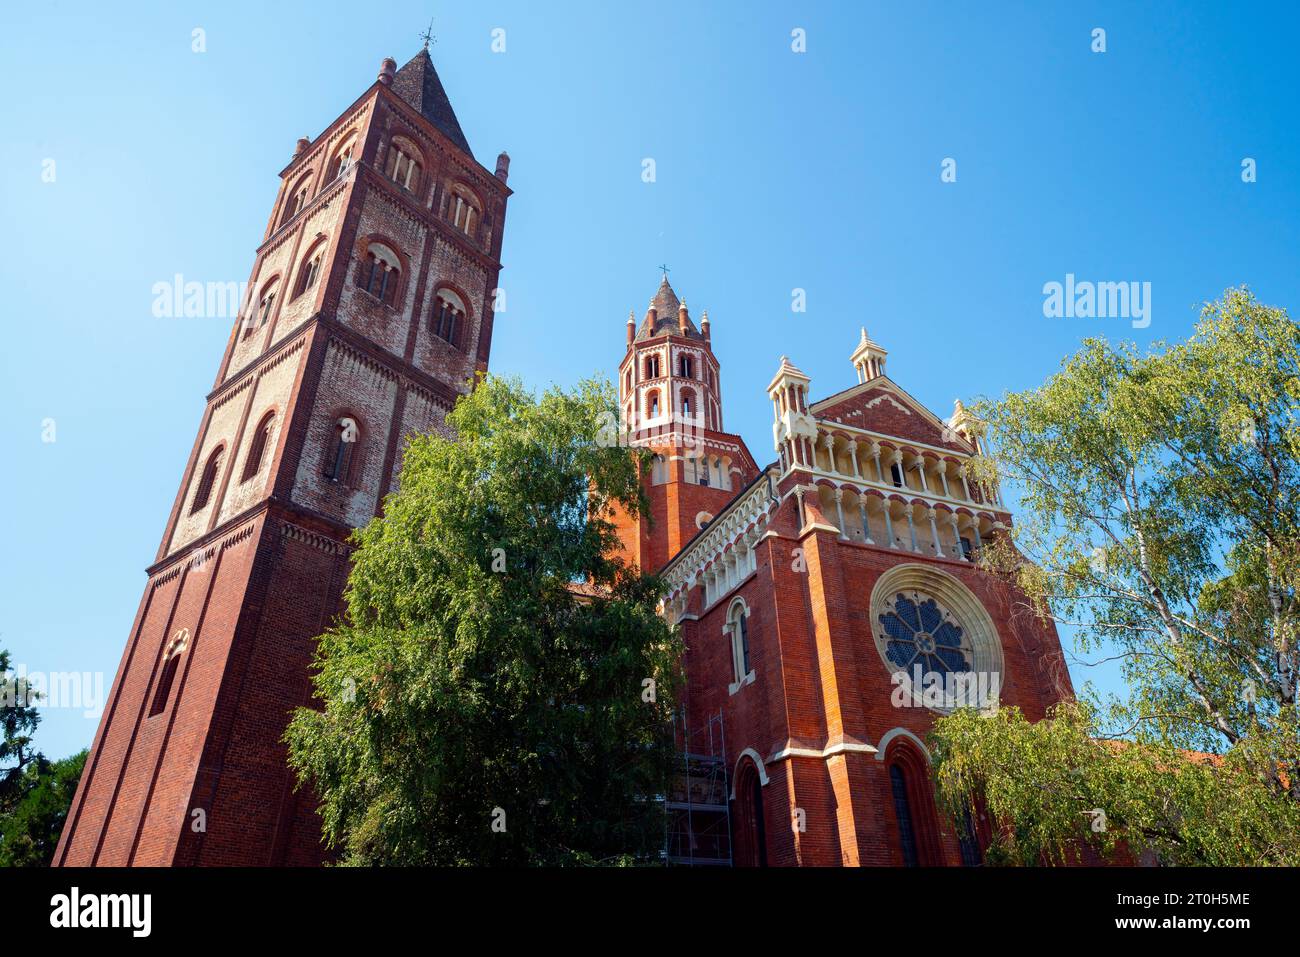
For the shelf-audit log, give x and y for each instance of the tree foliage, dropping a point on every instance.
(35, 793)
(1160, 513)
(484, 699)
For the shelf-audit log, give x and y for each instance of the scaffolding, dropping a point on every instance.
(697, 808)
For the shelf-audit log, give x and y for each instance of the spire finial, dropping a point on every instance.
(428, 36)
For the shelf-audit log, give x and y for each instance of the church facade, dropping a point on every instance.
(830, 604)
(819, 596)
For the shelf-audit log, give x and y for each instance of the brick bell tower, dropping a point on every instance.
(369, 310)
(670, 397)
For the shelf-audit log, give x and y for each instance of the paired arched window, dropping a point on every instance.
(261, 314)
(297, 199)
(343, 451)
(652, 367)
(207, 480)
(652, 404)
(463, 210)
(257, 450)
(686, 365)
(310, 271)
(404, 164)
(738, 630)
(343, 160)
(171, 661)
(688, 402)
(448, 317)
(379, 273)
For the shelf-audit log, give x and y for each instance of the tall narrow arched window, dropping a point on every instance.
(207, 480)
(171, 661)
(343, 451)
(447, 319)
(379, 273)
(903, 815)
(257, 449)
(738, 628)
(688, 402)
(652, 404)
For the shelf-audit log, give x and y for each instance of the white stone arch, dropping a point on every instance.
(970, 613)
(758, 765)
(737, 608)
(893, 733)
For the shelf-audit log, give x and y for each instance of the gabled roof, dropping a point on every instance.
(888, 386)
(417, 83)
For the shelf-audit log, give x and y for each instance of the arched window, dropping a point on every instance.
(652, 367)
(379, 273)
(903, 815)
(738, 629)
(751, 831)
(297, 199)
(403, 165)
(343, 451)
(652, 404)
(310, 271)
(687, 366)
(171, 660)
(342, 161)
(462, 210)
(207, 480)
(688, 401)
(262, 312)
(448, 317)
(257, 450)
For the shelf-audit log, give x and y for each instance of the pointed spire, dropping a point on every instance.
(868, 358)
(418, 84)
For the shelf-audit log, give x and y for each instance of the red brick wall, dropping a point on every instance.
(273, 562)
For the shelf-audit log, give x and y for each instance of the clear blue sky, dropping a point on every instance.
(775, 170)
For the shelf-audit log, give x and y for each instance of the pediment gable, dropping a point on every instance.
(883, 407)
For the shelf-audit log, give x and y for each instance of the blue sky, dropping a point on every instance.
(775, 170)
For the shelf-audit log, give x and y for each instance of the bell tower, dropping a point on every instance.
(670, 399)
(368, 313)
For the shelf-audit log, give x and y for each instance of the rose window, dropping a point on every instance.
(917, 630)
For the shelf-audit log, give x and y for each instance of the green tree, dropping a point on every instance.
(485, 698)
(35, 793)
(30, 829)
(1160, 512)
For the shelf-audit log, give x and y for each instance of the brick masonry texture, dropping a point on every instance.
(194, 772)
(197, 774)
